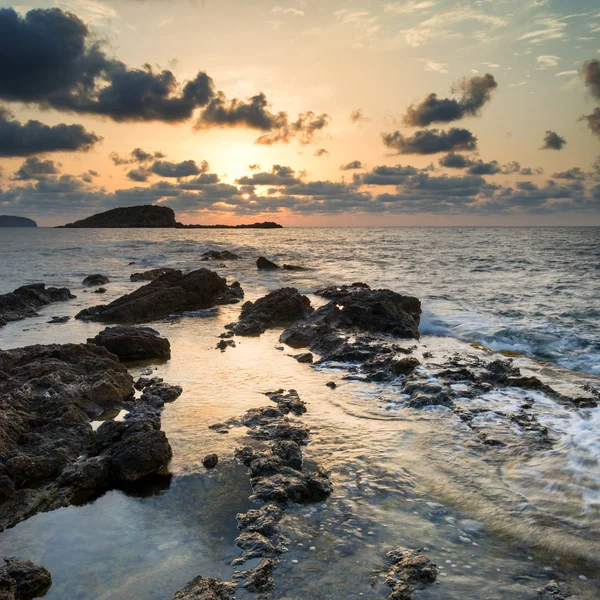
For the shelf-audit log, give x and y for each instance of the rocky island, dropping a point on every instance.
(11, 221)
(152, 216)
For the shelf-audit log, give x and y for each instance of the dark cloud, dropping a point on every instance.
(591, 75)
(593, 121)
(254, 167)
(455, 161)
(33, 137)
(485, 168)
(530, 171)
(553, 141)
(279, 176)
(186, 168)
(573, 174)
(135, 156)
(352, 166)
(475, 92)
(357, 115)
(140, 174)
(321, 152)
(431, 141)
(387, 175)
(305, 127)
(88, 177)
(35, 168)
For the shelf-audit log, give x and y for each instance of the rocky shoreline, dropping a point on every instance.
(52, 456)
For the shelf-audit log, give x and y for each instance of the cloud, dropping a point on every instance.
(351, 166)
(593, 121)
(135, 156)
(385, 175)
(321, 152)
(591, 75)
(254, 167)
(356, 116)
(186, 168)
(432, 65)
(287, 11)
(553, 141)
(139, 175)
(475, 91)
(485, 168)
(549, 29)
(279, 176)
(431, 141)
(573, 174)
(305, 127)
(35, 168)
(547, 61)
(409, 7)
(455, 161)
(33, 137)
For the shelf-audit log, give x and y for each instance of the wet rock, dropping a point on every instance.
(260, 579)
(282, 429)
(144, 382)
(287, 402)
(157, 393)
(170, 294)
(224, 344)
(281, 307)
(151, 275)
(289, 453)
(331, 385)
(289, 484)
(554, 590)
(255, 545)
(205, 588)
(335, 292)
(99, 291)
(210, 461)
(58, 320)
(264, 264)
(305, 357)
(258, 417)
(222, 255)
(295, 268)
(408, 568)
(133, 343)
(23, 580)
(365, 310)
(263, 520)
(95, 280)
(25, 301)
(386, 367)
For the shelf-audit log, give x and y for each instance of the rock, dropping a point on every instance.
(11, 221)
(169, 294)
(305, 357)
(210, 461)
(287, 402)
(365, 310)
(289, 484)
(25, 301)
(295, 268)
(223, 344)
(151, 275)
(387, 367)
(264, 264)
(100, 290)
(281, 307)
(331, 385)
(130, 216)
(281, 429)
(58, 320)
(554, 590)
(157, 393)
(260, 579)
(335, 292)
(263, 520)
(222, 255)
(407, 569)
(144, 382)
(289, 453)
(205, 588)
(133, 343)
(95, 280)
(25, 579)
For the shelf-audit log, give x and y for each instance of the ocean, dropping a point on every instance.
(502, 522)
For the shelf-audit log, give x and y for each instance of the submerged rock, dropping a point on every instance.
(23, 580)
(26, 300)
(210, 461)
(58, 320)
(133, 343)
(95, 280)
(151, 275)
(171, 293)
(220, 255)
(205, 588)
(264, 264)
(281, 307)
(408, 568)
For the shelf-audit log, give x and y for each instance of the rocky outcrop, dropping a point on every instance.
(133, 343)
(264, 264)
(205, 588)
(170, 294)
(130, 216)
(23, 580)
(220, 255)
(25, 301)
(49, 452)
(150, 275)
(10, 221)
(356, 310)
(280, 307)
(95, 280)
(408, 568)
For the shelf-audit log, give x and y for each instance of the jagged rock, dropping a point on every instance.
(407, 569)
(281, 429)
(289, 453)
(289, 402)
(151, 275)
(365, 310)
(144, 382)
(335, 292)
(289, 484)
(26, 300)
(23, 580)
(205, 588)
(95, 280)
(157, 393)
(260, 579)
(133, 343)
(305, 357)
(172, 293)
(263, 520)
(554, 590)
(222, 255)
(386, 366)
(255, 545)
(281, 307)
(264, 264)
(210, 461)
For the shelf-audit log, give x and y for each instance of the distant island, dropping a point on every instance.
(152, 216)
(10, 221)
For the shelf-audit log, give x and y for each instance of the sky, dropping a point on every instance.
(308, 113)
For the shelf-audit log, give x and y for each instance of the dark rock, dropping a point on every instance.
(281, 307)
(222, 255)
(263, 520)
(295, 268)
(554, 590)
(287, 402)
(335, 292)
(255, 545)
(151, 275)
(387, 367)
(12, 221)
(407, 569)
(28, 580)
(289, 484)
(58, 320)
(210, 461)
(25, 301)
(331, 385)
(157, 393)
(260, 579)
(289, 453)
(95, 280)
(130, 216)
(205, 588)
(144, 382)
(264, 264)
(169, 294)
(133, 343)
(305, 357)
(100, 290)
(223, 344)
(282, 429)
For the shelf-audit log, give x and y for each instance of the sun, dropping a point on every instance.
(246, 196)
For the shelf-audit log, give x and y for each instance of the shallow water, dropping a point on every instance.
(501, 522)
